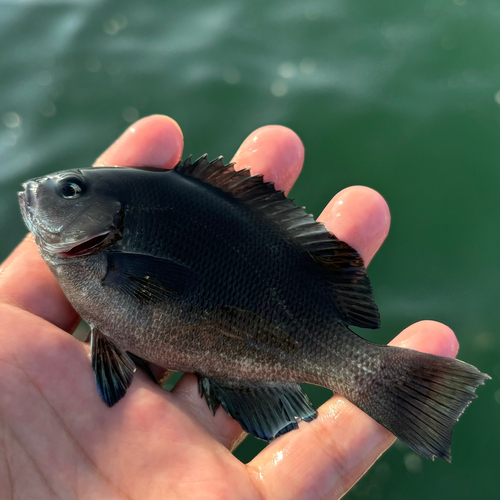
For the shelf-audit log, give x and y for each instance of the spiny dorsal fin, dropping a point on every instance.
(351, 287)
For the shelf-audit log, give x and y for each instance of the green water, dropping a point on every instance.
(400, 96)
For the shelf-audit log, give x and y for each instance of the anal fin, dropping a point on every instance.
(265, 410)
(113, 368)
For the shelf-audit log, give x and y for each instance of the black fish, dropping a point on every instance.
(209, 270)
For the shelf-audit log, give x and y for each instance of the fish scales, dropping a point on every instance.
(216, 226)
(242, 252)
(209, 270)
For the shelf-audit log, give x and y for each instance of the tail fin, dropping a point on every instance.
(419, 398)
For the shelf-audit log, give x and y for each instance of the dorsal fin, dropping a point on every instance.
(352, 288)
(352, 291)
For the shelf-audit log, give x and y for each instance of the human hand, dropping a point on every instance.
(59, 440)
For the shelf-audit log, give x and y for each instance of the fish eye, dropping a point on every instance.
(71, 188)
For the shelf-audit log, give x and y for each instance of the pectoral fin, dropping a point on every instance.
(264, 410)
(113, 368)
(148, 279)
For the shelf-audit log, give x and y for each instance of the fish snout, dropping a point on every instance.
(29, 195)
(27, 202)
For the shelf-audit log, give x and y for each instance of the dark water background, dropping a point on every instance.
(401, 96)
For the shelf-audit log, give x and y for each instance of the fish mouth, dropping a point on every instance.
(85, 246)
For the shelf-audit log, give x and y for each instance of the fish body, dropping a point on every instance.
(209, 270)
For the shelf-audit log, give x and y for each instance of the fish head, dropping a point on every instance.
(72, 213)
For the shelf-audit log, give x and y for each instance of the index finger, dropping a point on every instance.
(154, 141)
(26, 281)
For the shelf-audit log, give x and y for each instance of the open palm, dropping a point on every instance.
(59, 440)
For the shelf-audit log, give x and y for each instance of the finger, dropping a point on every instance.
(25, 280)
(327, 456)
(154, 141)
(274, 151)
(359, 216)
(277, 153)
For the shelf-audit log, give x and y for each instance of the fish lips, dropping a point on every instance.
(69, 246)
(85, 247)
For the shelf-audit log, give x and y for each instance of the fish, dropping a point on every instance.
(213, 271)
